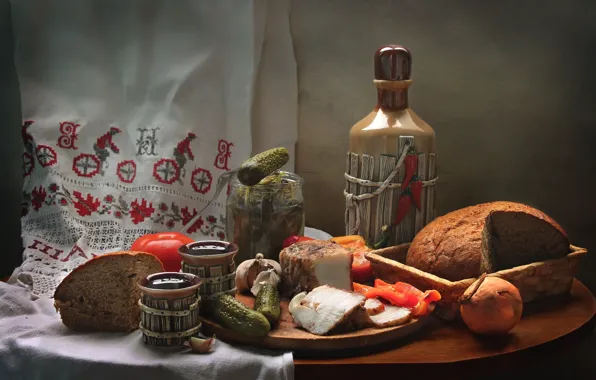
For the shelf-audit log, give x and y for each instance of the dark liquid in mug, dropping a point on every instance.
(169, 283)
(207, 249)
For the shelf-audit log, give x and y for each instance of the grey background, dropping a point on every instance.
(508, 86)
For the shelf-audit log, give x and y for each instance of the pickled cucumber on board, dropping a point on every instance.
(234, 315)
(267, 303)
(253, 170)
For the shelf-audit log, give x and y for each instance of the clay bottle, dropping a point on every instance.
(376, 144)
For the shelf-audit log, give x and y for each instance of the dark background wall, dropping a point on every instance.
(508, 86)
(10, 151)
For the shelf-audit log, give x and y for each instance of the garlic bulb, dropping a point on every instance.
(247, 271)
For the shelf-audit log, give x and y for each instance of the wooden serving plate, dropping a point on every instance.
(288, 336)
(548, 330)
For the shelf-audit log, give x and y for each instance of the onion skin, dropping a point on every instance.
(491, 306)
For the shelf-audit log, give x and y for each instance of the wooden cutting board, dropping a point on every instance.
(288, 336)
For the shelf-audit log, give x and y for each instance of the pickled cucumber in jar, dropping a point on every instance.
(259, 218)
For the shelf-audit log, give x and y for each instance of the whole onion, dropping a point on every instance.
(491, 306)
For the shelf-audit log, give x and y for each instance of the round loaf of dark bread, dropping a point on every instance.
(451, 246)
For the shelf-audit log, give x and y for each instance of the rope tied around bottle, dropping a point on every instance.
(353, 200)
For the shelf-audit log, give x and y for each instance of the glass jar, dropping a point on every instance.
(259, 218)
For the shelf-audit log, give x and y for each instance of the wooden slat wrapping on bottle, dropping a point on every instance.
(352, 167)
(422, 175)
(430, 193)
(367, 169)
(385, 205)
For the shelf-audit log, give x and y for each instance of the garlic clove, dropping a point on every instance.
(266, 277)
(201, 346)
(295, 302)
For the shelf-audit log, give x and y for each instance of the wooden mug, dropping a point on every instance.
(213, 262)
(169, 308)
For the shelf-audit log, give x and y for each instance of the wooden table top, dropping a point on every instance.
(452, 351)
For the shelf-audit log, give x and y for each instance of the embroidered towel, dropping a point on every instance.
(131, 111)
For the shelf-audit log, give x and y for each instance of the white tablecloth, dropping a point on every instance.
(34, 344)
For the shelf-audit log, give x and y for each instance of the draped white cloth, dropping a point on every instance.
(131, 111)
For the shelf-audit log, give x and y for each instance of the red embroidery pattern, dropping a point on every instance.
(223, 155)
(127, 171)
(85, 205)
(104, 144)
(68, 135)
(38, 197)
(166, 171)
(55, 253)
(140, 210)
(201, 180)
(171, 216)
(86, 165)
(46, 155)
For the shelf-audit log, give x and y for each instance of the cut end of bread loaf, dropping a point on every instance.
(102, 293)
(513, 238)
(452, 245)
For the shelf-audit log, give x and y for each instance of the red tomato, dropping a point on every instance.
(361, 268)
(294, 239)
(165, 246)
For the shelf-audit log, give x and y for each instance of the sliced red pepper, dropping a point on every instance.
(405, 287)
(359, 288)
(416, 189)
(380, 283)
(411, 166)
(420, 309)
(403, 206)
(410, 292)
(432, 296)
(426, 303)
(395, 298)
(419, 301)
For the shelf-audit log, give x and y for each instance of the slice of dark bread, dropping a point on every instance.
(514, 238)
(102, 293)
